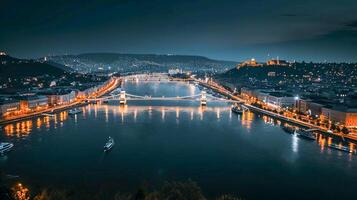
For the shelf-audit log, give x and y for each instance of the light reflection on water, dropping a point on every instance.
(247, 118)
(240, 147)
(322, 140)
(24, 128)
(295, 144)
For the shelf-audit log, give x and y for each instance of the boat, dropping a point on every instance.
(244, 107)
(342, 148)
(307, 134)
(74, 111)
(109, 145)
(237, 109)
(5, 147)
(48, 115)
(289, 129)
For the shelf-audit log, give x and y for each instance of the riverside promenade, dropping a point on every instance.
(77, 103)
(220, 89)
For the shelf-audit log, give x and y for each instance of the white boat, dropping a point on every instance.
(109, 145)
(237, 109)
(307, 134)
(74, 111)
(48, 115)
(5, 147)
(342, 148)
(289, 129)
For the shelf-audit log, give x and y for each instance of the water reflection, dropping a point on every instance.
(135, 114)
(38, 123)
(19, 129)
(247, 119)
(177, 113)
(322, 142)
(106, 113)
(163, 114)
(295, 144)
(24, 128)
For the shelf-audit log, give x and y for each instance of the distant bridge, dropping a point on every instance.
(147, 77)
(123, 97)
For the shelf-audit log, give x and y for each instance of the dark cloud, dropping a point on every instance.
(227, 29)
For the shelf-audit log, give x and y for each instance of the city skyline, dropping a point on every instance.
(178, 99)
(229, 30)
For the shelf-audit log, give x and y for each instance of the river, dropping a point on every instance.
(247, 155)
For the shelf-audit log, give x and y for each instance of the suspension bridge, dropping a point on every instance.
(203, 98)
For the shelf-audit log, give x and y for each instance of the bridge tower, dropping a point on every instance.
(122, 97)
(203, 98)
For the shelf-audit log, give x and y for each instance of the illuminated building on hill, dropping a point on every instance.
(251, 63)
(277, 62)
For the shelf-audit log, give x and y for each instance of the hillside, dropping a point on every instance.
(16, 68)
(139, 62)
(297, 76)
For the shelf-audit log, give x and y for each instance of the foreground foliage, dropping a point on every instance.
(186, 190)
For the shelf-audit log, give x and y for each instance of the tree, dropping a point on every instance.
(140, 195)
(181, 191)
(228, 197)
(345, 130)
(6, 193)
(48, 194)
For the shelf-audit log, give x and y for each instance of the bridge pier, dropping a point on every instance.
(203, 98)
(122, 98)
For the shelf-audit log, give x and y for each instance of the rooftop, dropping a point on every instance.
(31, 97)
(280, 94)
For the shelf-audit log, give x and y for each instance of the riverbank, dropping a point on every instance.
(78, 103)
(225, 92)
(49, 110)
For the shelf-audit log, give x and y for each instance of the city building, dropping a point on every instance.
(271, 74)
(251, 63)
(61, 97)
(273, 99)
(310, 107)
(33, 102)
(9, 107)
(278, 100)
(339, 114)
(174, 71)
(277, 62)
(249, 93)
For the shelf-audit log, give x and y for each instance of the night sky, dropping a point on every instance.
(310, 30)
